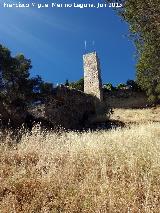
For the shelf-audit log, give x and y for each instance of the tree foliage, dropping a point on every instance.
(19, 89)
(121, 86)
(67, 83)
(143, 17)
(133, 85)
(108, 86)
(79, 85)
(15, 74)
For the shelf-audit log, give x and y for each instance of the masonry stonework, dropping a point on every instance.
(92, 75)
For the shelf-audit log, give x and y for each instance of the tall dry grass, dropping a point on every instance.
(137, 115)
(105, 171)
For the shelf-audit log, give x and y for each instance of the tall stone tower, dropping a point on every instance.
(92, 75)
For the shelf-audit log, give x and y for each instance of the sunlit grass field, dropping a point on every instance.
(137, 115)
(101, 171)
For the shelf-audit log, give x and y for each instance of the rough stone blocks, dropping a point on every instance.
(92, 75)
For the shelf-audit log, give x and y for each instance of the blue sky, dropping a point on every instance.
(53, 38)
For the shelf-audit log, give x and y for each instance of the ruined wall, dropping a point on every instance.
(125, 99)
(92, 75)
(69, 108)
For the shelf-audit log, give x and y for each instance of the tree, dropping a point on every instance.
(15, 72)
(5, 56)
(67, 83)
(16, 75)
(39, 90)
(79, 85)
(133, 85)
(143, 17)
(20, 89)
(121, 86)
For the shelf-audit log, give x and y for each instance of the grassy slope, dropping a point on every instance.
(114, 171)
(137, 115)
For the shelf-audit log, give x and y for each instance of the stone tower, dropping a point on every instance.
(92, 75)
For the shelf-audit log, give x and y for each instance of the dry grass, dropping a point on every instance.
(114, 171)
(137, 115)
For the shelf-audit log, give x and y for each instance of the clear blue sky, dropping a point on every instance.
(54, 40)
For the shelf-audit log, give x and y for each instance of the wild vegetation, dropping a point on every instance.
(17, 89)
(79, 85)
(137, 116)
(102, 171)
(130, 84)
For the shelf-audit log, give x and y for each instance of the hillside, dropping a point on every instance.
(137, 115)
(101, 171)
